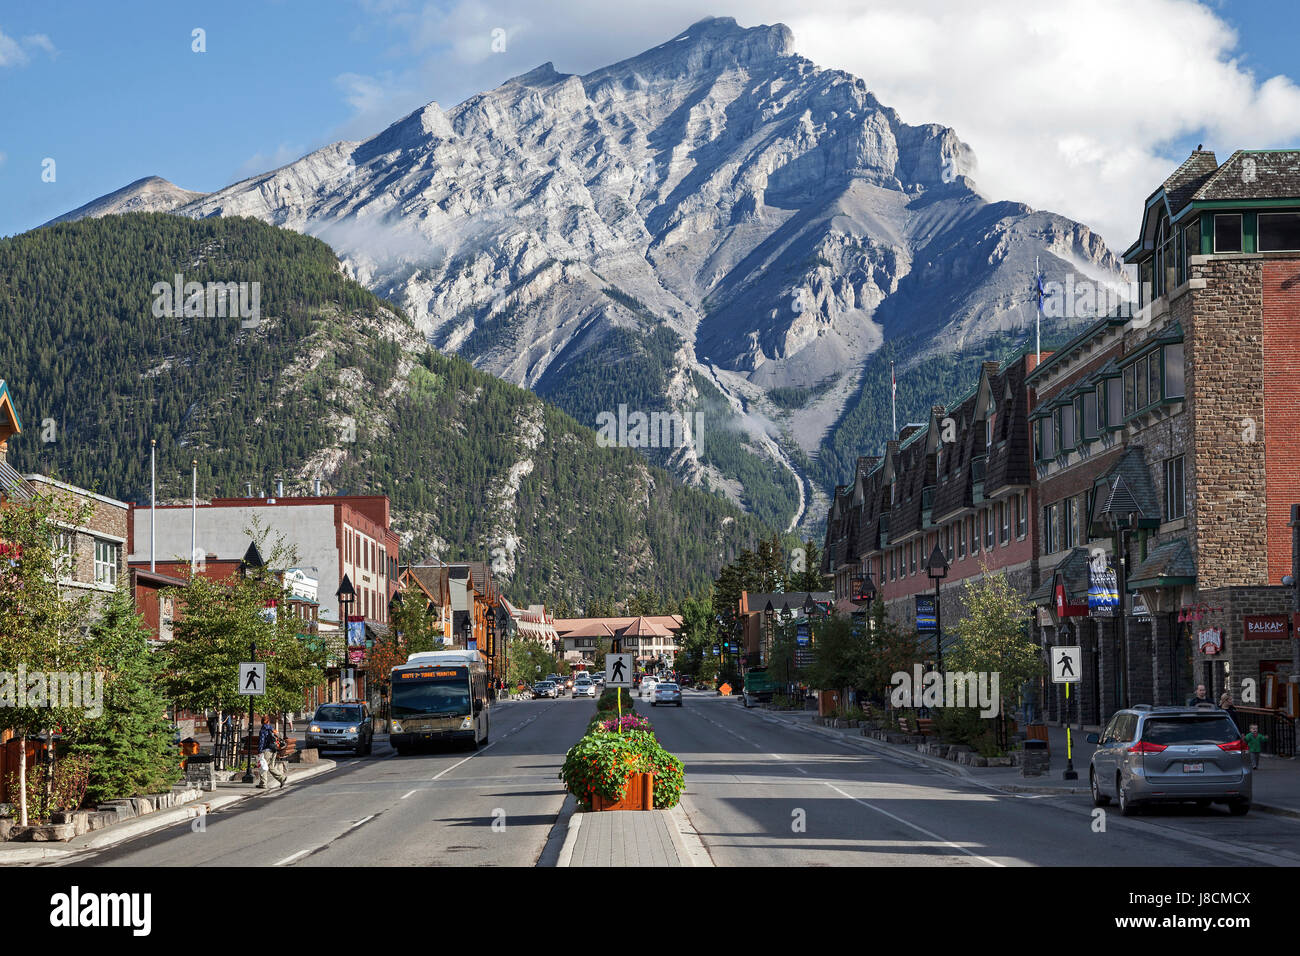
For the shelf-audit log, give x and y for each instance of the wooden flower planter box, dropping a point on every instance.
(638, 795)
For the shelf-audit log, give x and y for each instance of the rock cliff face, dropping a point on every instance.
(774, 216)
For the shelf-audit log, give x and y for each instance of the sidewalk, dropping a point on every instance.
(1276, 784)
(226, 794)
(630, 838)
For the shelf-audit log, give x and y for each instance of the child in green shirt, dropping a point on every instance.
(1254, 742)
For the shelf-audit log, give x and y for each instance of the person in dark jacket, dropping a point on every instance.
(1202, 698)
(269, 762)
(1225, 703)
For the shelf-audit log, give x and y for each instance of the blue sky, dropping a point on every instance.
(114, 92)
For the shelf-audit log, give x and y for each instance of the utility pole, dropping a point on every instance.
(1295, 606)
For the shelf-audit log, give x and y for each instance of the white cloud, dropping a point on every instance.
(1082, 106)
(14, 53)
(11, 54)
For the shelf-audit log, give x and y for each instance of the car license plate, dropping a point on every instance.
(1193, 768)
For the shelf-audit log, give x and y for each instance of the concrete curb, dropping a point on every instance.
(556, 840)
(691, 850)
(13, 853)
(570, 838)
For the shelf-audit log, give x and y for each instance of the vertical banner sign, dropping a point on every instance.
(356, 631)
(1103, 590)
(801, 634)
(925, 612)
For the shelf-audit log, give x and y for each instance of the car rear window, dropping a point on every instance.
(1178, 731)
(667, 686)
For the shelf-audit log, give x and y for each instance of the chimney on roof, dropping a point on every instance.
(908, 430)
(279, 487)
(317, 488)
(937, 411)
(249, 485)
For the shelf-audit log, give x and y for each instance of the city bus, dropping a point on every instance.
(439, 697)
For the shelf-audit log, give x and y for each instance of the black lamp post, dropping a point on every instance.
(252, 561)
(938, 570)
(1119, 513)
(346, 594)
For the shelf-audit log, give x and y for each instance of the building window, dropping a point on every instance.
(973, 523)
(1153, 375)
(988, 529)
(107, 555)
(1279, 232)
(1088, 415)
(1069, 521)
(1051, 543)
(948, 542)
(1022, 515)
(893, 564)
(65, 547)
(961, 538)
(1140, 371)
(1175, 489)
(1227, 232)
(1173, 359)
(1004, 510)
(1130, 392)
(913, 548)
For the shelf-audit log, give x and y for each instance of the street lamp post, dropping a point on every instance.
(346, 594)
(252, 560)
(937, 571)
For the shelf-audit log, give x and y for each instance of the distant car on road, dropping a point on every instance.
(544, 688)
(667, 693)
(1170, 754)
(584, 688)
(648, 686)
(342, 726)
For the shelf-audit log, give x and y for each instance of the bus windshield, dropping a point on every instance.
(439, 696)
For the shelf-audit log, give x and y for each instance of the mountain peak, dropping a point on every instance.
(710, 45)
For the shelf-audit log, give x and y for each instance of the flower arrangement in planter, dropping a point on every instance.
(604, 762)
(626, 722)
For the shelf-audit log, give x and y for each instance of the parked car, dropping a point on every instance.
(544, 688)
(1170, 754)
(343, 726)
(667, 693)
(648, 686)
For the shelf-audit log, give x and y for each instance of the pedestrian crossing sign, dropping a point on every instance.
(1066, 664)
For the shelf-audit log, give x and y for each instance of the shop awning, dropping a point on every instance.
(1074, 568)
(1169, 565)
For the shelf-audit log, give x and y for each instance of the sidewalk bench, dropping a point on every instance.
(924, 726)
(1038, 732)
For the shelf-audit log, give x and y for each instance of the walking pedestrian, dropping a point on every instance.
(268, 760)
(1202, 698)
(1225, 703)
(212, 725)
(1255, 743)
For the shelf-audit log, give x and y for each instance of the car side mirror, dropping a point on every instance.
(1094, 738)
(478, 705)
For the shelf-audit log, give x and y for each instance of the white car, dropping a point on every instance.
(584, 688)
(648, 687)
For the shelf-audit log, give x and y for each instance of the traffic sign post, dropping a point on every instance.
(1065, 670)
(619, 669)
(252, 679)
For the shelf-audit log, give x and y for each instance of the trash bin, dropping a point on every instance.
(1035, 760)
(189, 747)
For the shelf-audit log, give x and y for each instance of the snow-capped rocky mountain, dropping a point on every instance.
(773, 215)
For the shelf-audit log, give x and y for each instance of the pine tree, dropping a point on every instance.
(130, 744)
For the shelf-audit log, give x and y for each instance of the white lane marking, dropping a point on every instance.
(775, 756)
(405, 795)
(802, 770)
(918, 829)
(458, 763)
(289, 859)
(359, 822)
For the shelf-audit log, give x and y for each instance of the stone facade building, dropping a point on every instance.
(1162, 458)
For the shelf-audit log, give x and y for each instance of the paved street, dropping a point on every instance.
(759, 793)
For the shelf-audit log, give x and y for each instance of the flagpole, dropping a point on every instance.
(893, 397)
(153, 503)
(1038, 317)
(194, 504)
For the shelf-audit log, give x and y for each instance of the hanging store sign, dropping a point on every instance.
(1064, 607)
(1103, 592)
(1209, 640)
(925, 613)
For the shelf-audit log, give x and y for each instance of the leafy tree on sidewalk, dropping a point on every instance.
(129, 746)
(41, 628)
(992, 635)
(218, 622)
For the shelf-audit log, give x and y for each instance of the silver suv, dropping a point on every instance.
(1170, 754)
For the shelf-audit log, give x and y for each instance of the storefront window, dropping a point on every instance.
(1279, 232)
(1174, 370)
